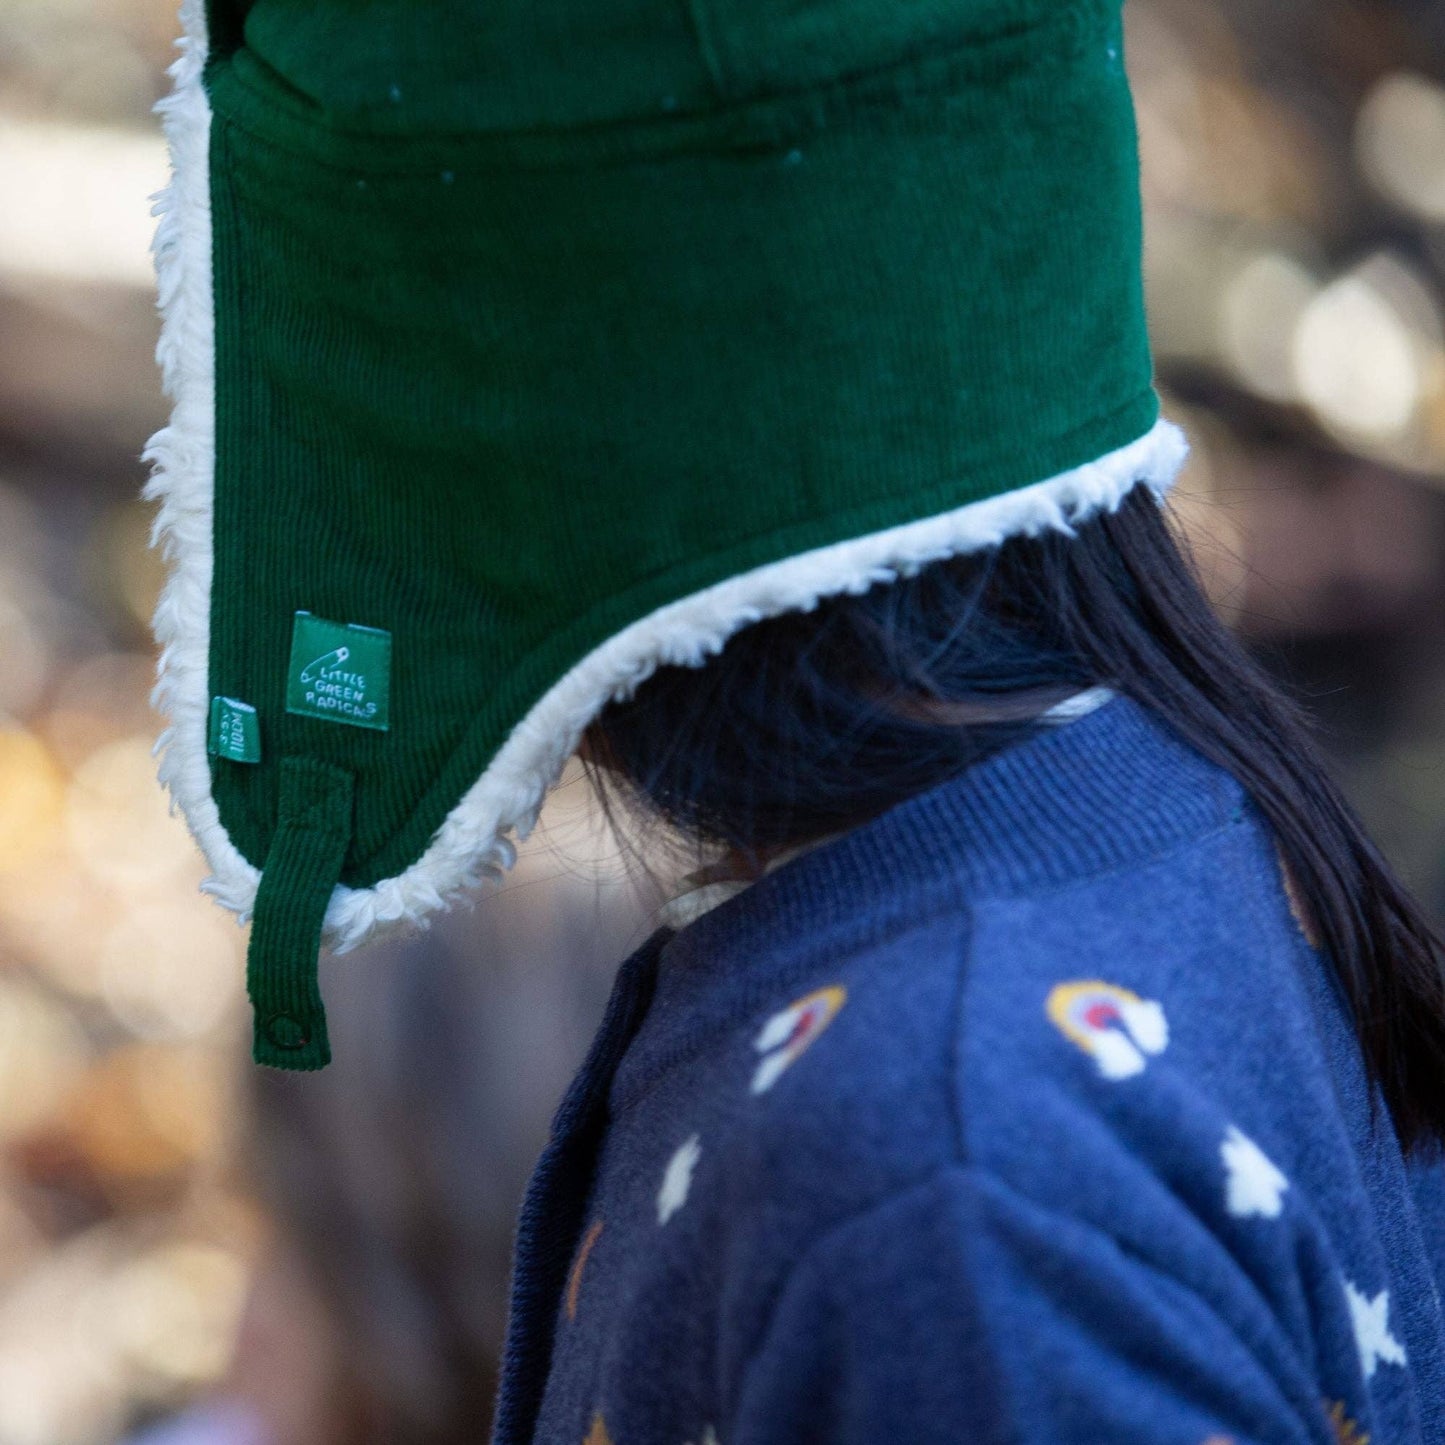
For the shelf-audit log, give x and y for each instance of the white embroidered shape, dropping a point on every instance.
(1118, 1028)
(1253, 1185)
(709, 1437)
(677, 1179)
(791, 1031)
(1371, 1319)
(1122, 1054)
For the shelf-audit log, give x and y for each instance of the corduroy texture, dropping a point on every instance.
(503, 403)
(307, 849)
(557, 373)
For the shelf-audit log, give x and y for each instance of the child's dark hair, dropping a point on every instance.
(813, 722)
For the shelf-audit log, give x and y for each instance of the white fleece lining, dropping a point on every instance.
(474, 841)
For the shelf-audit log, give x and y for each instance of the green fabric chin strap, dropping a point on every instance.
(308, 849)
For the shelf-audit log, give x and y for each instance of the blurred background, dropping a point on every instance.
(190, 1251)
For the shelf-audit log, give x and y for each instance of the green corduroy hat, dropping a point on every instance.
(519, 348)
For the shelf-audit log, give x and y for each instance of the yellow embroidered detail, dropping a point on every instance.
(598, 1435)
(574, 1281)
(1346, 1431)
(1295, 898)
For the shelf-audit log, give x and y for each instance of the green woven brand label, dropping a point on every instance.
(235, 731)
(340, 672)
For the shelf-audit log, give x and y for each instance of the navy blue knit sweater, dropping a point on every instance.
(1024, 1113)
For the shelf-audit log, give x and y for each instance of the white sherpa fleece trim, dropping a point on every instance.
(474, 842)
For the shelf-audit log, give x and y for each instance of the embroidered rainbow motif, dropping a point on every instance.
(788, 1033)
(1118, 1028)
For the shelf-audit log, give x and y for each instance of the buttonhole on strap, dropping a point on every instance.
(313, 832)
